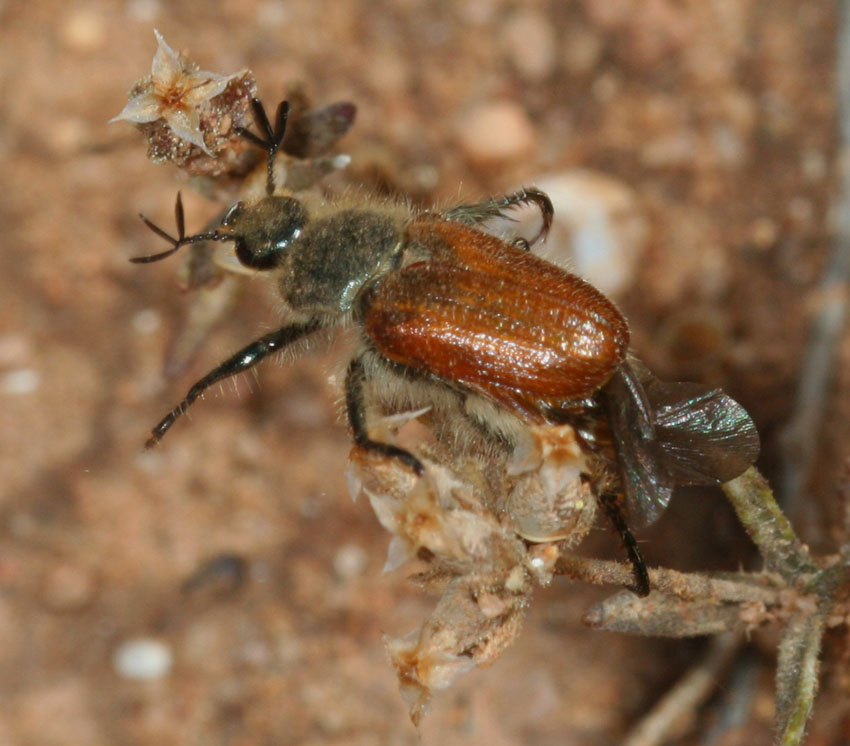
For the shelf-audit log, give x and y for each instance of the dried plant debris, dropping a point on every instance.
(802, 595)
(487, 536)
(190, 116)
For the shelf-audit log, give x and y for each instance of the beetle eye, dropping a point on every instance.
(250, 257)
(264, 232)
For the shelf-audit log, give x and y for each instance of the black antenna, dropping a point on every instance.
(181, 240)
(273, 136)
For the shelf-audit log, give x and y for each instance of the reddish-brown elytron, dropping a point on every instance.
(495, 319)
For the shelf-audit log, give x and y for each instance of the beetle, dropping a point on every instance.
(473, 323)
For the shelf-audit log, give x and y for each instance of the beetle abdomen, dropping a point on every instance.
(496, 319)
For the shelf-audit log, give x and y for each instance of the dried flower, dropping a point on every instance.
(175, 91)
(474, 534)
(190, 115)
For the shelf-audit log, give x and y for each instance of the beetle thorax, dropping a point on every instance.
(335, 256)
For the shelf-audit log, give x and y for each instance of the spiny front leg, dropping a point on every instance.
(246, 358)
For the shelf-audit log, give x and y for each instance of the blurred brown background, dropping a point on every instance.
(714, 123)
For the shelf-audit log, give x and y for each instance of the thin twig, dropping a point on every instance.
(799, 441)
(660, 615)
(740, 588)
(797, 676)
(679, 704)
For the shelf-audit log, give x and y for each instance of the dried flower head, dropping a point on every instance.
(189, 115)
(474, 532)
(549, 500)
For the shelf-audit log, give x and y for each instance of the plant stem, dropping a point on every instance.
(768, 527)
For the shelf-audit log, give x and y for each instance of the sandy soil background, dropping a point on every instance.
(716, 120)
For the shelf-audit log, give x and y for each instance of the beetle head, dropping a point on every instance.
(264, 232)
(261, 232)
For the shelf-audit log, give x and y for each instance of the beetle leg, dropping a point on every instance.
(246, 358)
(613, 508)
(356, 405)
(478, 212)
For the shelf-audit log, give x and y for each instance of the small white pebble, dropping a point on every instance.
(814, 164)
(142, 659)
(350, 561)
(144, 11)
(426, 176)
(306, 411)
(496, 131)
(340, 161)
(68, 587)
(605, 87)
(764, 232)
(254, 653)
(477, 12)
(84, 30)
(599, 225)
(801, 210)
(728, 146)
(22, 381)
(69, 136)
(272, 13)
(531, 43)
(147, 321)
(582, 51)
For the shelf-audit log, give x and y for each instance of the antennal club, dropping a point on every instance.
(181, 240)
(176, 243)
(273, 135)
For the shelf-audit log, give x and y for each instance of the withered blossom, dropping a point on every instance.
(175, 92)
(471, 533)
